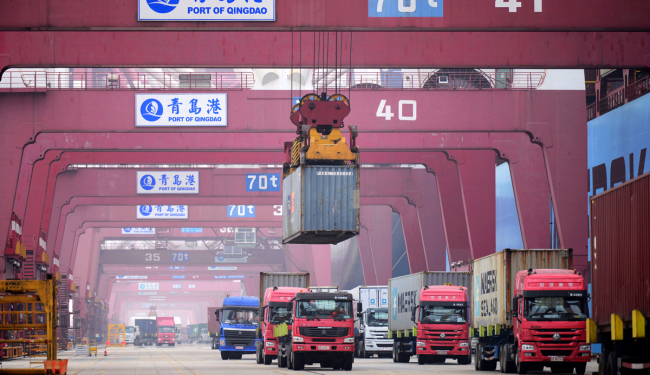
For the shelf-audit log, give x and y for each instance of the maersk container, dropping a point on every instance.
(620, 252)
(494, 281)
(282, 279)
(320, 204)
(404, 292)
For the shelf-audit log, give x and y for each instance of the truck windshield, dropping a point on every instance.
(129, 329)
(555, 308)
(166, 329)
(324, 309)
(378, 318)
(236, 316)
(433, 314)
(279, 314)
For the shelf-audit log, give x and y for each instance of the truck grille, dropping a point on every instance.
(442, 348)
(449, 335)
(324, 332)
(238, 338)
(384, 345)
(560, 353)
(546, 335)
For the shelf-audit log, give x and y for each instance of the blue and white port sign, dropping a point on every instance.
(148, 293)
(181, 109)
(180, 257)
(161, 212)
(262, 182)
(224, 277)
(405, 8)
(138, 230)
(130, 277)
(206, 10)
(241, 211)
(191, 230)
(167, 182)
(148, 286)
(177, 286)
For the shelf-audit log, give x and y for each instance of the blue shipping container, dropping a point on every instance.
(320, 204)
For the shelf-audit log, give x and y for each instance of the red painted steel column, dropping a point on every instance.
(426, 197)
(532, 196)
(412, 229)
(477, 180)
(376, 222)
(453, 208)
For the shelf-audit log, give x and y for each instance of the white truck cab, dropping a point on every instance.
(132, 332)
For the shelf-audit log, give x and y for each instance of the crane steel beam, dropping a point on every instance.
(231, 183)
(339, 15)
(371, 49)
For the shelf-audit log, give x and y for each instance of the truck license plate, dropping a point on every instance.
(239, 347)
(386, 348)
(442, 352)
(323, 347)
(557, 359)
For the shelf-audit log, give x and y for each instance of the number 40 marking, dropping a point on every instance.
(512, 5)
(385, 112)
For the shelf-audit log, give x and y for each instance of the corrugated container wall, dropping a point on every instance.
(404, 292)
(271, 279)
(320, 204)
(620, 246)
(213, 323)
(494, 280)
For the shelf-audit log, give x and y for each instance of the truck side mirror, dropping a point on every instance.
(262, 314)
(413, 309)
(359, 308)
(216, 314)
(515, 307)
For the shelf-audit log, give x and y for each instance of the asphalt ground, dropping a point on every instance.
(199, 359)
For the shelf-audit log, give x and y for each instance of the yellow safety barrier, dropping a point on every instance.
(617, 327)
(638, 324)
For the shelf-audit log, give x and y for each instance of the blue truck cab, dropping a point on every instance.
(239, 319)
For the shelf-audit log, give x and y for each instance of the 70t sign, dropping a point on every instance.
(262, 182)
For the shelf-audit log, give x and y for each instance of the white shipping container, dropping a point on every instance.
(404, 293)
(494, 281)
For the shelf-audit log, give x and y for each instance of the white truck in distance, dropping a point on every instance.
(132, 332)
(372, 326)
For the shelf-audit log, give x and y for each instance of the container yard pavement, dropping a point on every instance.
(198, 359)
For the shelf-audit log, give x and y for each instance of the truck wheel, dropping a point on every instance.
(267, 360)
(395, 352)
(581, 368)
(422, 359)
(405, 357)
(225, 356)
(289, 361)
(235, 356)
(366, 354)
(258, 355)
(521, 367)
(282, 361)
(510, 366)
(466, 360)
(347, 363)
(612, 364)
(298, 361)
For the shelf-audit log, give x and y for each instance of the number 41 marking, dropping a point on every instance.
(512, 5)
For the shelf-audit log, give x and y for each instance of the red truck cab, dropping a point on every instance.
(275, 311)
(549, 321)
(322, 331)
(166, 331)
(442, 325)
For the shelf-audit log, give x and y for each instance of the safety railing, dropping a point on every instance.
(638, 88)
(21, 81)
(440, 80)
(619, 97)
(591, 111)
(612, 101)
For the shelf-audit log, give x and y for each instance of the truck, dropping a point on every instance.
(166, 331)
(529, 311)
(178, 334)
(239, 321)
(276, 290)
(213, 327)
(371, 329)
(428, 317)
(322, 331)
(148, 329)
(620, 255)
(132, 334)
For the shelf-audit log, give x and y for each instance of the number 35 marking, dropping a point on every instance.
(385, 112)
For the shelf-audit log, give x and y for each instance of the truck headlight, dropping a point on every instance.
(222, 342)
(463, 344)
(348, 339)
(368, 341)
(527, 347)
(421, 343)
(298, 339)
(585, 348)
(271, 343)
